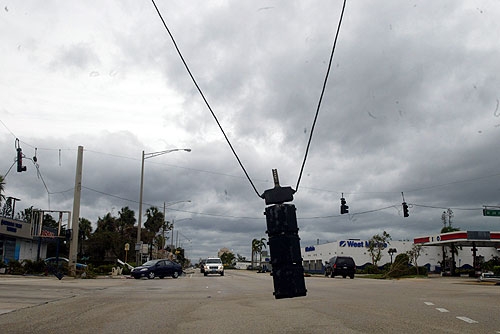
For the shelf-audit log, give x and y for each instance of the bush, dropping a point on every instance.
(421, 271)
(496, 270)
(34, 267)
(399, 267)
(104, 269)
(15, 267)
(370, 269)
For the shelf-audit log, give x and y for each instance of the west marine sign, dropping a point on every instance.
(357, 243)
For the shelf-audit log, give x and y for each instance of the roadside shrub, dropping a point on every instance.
(15, 268)
(421, 271)
(104, 269)
(370, 269)
(34, 267)
(399, 267)
(496, 270)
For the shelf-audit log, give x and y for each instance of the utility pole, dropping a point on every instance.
(73, 249)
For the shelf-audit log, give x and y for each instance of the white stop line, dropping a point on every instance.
(468, 320)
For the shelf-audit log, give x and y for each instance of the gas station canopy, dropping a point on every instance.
(462, 238)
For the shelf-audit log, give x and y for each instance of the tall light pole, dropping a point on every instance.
(145, 156)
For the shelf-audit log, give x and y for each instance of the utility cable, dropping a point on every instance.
(203, 97)
(321, 96)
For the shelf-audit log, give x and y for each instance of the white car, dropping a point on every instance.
(213, 265)
(489, 277)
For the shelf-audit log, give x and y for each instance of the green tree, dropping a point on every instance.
(448, 227)
(255, 243)
(414, 254)
(125, 223)
(85, 228)
(257, 246)
(227, 258)
(399, 267)
(376, 244)
(84, 232)
(105, 242)
(154, 222)
(25, 215)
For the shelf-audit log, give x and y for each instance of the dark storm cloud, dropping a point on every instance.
(411, 106)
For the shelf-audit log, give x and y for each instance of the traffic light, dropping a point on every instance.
(284, 245)
(405, 210)
(343, 207)
(20, 167)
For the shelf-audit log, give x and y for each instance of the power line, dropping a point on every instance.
(321, 97)
(170, 209)
(204, 99)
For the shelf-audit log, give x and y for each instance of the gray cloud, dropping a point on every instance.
(410, 106)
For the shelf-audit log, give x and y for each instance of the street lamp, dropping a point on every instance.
(144, 157)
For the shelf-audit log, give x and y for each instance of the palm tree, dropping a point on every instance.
(262, 244)
(2, 189)
(257, 246)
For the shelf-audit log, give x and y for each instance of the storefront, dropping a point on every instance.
(314, 256)
(16, 241)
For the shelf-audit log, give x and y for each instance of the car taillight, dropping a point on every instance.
(335, 266)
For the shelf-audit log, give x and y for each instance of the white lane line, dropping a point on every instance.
(443, 310)
(468, 320)
(428, 303)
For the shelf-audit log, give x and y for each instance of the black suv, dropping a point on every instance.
(340, 266)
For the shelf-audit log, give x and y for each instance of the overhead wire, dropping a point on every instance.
(204, 98)
(215, 117)
(321, 96)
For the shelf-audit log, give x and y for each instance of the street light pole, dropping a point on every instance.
(139, 223)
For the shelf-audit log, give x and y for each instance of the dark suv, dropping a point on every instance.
(340, 266)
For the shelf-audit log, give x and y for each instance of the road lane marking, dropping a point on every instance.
(468, 320)
(428, 303)
(443, 310)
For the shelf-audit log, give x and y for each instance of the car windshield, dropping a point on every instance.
(214, 261)
(150, 263)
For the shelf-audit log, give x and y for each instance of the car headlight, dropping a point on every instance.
(144, 269)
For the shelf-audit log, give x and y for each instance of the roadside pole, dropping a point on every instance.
(73, 249)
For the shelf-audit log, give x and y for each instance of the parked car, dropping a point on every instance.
(213, 265)
(340, 266)
(157, 268)
(51, 261)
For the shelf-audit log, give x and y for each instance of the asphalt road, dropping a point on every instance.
(242, 302)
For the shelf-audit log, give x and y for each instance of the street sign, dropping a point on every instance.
(491, 212)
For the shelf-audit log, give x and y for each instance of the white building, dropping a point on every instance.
(314, 256)
(17, 242)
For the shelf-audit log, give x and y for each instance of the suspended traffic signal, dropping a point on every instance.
(284, 245)
(343, 207)
(20, 167)
(405, 210)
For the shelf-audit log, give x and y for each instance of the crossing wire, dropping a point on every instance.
(215, 117)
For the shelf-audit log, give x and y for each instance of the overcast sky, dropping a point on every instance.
(411, 105)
